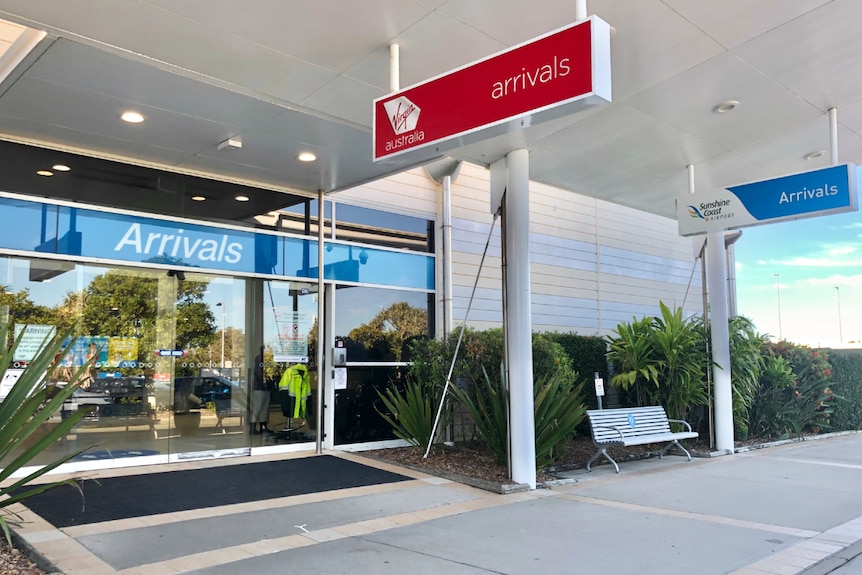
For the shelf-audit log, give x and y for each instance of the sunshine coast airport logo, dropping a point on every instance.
(404, 118)
(708, 211)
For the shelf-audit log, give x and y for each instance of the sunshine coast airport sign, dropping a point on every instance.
(545, 78)
(820, 192)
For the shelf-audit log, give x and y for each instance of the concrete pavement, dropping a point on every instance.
(782, 510)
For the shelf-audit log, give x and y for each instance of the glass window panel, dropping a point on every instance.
(349, 263)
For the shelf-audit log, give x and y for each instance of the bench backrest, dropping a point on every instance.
(631, 422)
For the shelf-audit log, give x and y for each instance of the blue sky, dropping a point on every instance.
(811, 258)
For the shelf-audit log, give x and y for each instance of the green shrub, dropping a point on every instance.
(787, 403)
(558, 410)
(487, 403)
(477, 387)
(846, 384)
(587, 353)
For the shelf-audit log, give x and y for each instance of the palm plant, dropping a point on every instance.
(746, 367)
(664, 358)
(631, 354)
(23, 414)
(680, 350)
(412, 412)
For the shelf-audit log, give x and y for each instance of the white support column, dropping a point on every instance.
(519, 329)
(716, 278)
(447, 256)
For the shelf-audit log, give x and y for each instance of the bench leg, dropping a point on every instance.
(602, 452)
(670, 446)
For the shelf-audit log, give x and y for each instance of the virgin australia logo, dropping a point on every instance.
(403, 114)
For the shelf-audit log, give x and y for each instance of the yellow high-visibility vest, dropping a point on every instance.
(296, 382)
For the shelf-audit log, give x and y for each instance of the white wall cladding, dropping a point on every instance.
(593, 263)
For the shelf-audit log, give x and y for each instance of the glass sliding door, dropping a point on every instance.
(167, 351)
(289, 370)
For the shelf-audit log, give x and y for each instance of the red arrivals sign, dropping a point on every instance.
(554, 75)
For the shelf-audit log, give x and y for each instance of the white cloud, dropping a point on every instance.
(841, 251)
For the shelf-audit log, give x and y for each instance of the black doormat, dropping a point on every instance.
(168, 492)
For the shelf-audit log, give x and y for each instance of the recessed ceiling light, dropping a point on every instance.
(306, 157)
(725, 107)
(815, 155)
(61, 167)
(242, 198)
(132, 117)
(45, 173)
(199, 198)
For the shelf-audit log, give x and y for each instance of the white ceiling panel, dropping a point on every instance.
(310, 31)
(786, 151)
(18, 129)
(651, 146)
(99, 115)
(651, 43)
(851, 116)
(687, 101)
(511, 23)
(732, 22)
(346, 98)
(436, 44)
(726, 170)
(815, 56)
(135, 83)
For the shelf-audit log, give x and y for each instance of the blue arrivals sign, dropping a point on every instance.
(37, 227)
(820, 192)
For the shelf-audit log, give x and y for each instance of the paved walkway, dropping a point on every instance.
(783, 510)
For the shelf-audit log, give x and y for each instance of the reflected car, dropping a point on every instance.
(197, 391)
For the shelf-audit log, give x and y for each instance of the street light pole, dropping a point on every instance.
(840, 330)
(223, 329)
(778, 297)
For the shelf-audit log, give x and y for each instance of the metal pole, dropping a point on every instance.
(833, 135)
(394, 68)
(321, 288)
(778, 298)
(223, 307)
(580, 10)
(840, 331)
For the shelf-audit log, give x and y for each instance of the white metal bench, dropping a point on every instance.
(634, 426)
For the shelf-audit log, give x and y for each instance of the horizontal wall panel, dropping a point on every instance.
(579, 326)
(548, 301)
(411, 193)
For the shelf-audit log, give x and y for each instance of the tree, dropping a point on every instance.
(391, 327)
(132, 304)
(23, 310)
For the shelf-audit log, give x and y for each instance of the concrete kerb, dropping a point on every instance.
(835, 561)
(33, 554)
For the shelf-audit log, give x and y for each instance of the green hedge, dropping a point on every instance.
(587, 354)
(846, 384)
